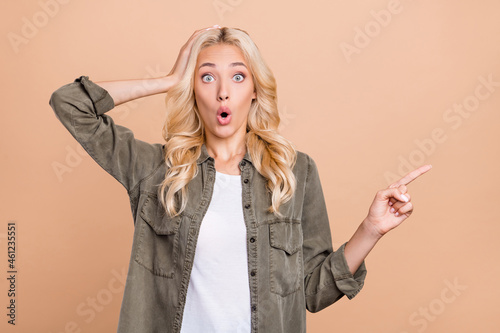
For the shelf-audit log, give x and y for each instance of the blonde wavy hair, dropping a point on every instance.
(272, 155)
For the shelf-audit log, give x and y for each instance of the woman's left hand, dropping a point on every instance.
(392, 205)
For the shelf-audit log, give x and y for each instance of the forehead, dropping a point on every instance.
(221, 55)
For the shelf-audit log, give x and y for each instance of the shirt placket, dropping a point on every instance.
(249, 218)
(208, 171)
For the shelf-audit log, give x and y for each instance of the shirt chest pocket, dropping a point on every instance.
(158, 241)
(285, 257)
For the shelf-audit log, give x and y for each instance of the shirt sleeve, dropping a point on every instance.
(81, 107)
(327, 274)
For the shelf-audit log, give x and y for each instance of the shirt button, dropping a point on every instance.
(203, 202)
(252, 273)
(243, 163)
(247, 206)
(246, 181)
(252, 240)
(254, 307)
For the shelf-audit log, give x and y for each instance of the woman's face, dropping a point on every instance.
(224, 90)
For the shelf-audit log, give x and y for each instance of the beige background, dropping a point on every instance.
(365, 108)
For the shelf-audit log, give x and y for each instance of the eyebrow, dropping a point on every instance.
(233, 64)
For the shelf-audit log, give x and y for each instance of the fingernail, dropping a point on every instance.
(404, 197)
(397, 214)
(392, 210)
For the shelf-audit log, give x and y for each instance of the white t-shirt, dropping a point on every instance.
(218, 296)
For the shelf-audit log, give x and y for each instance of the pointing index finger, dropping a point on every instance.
(411, 176)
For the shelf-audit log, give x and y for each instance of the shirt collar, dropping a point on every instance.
(205, 156)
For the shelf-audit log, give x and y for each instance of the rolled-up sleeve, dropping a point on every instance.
(327, 275)
(81, 107)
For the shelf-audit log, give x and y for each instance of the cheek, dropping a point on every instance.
(203, 103)
(201, 95)
(243, 91)
(249, 95)
(250, 90)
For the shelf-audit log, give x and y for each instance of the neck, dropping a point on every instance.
(226, 149)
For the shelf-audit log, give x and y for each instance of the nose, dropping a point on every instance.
(223, 96)
(223, 92)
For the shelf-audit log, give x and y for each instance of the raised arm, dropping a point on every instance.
(123, 91)
(389, 209)
(81, 107)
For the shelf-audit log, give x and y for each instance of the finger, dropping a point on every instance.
(406, 209)
(392, 193)
(185, 50)
(216, 26)
(411, 176)
(403, 189)
(191, 39)
(394, 202)
(198, 32)
(187, 47)
(396, 205)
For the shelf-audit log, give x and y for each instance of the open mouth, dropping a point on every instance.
(224, 115)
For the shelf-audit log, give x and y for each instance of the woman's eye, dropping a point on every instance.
(239, 77)
(207, 78)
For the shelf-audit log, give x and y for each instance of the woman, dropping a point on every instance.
(231, 227)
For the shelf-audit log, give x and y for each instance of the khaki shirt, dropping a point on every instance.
(291, 263)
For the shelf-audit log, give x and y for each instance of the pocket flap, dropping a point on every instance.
(153, 213)
(286, 236)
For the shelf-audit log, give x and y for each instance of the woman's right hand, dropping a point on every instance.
(122, 91)
(180, 64)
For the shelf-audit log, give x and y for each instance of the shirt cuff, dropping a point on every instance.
(348, 283)
(103, 102)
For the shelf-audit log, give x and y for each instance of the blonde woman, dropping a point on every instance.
(231, 227)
